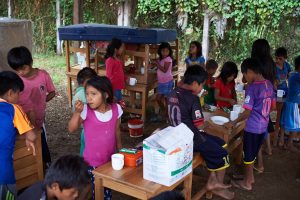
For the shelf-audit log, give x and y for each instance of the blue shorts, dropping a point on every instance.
(251, 145)
(118, 95)
(165, 88)
(290, 117)
(213, 151)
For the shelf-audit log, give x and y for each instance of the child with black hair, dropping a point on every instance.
(115, 67)
(211, 68)
(290, 118)
(164, 75)
(258, 103)
(101, 122)
(13, 121)
(283, 68)
(67, 178)
(184, 107)
(225, 94)
(83, 76)
(195, 55)
(38, 90)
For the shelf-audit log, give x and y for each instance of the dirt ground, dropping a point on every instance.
(278, 182)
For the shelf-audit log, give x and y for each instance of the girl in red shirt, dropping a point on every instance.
(114, 67)
(225, 86)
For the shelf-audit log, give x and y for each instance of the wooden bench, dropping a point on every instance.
(28, 168)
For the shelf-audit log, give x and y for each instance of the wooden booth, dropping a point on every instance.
(89, 42)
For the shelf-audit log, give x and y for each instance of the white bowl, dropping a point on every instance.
(219, 120)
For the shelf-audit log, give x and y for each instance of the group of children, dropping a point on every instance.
(97, 105)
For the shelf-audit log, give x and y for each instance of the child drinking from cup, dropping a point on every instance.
(258, 103)
(82, 77)
(100, 118)
(225, 94)
(195, 55)
(164, 75)
(290, 118)
(115, 67)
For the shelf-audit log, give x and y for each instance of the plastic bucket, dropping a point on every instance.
(135, 127)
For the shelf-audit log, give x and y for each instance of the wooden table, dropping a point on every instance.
(232, 137)
(130, 181)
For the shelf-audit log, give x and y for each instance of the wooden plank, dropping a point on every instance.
(25, 182)
(140, 54)
(24, 162)
(76, 49)
(125, 189)
(21, 152)
(133, 110)
(26, 171)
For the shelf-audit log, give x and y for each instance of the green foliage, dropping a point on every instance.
(247, 20)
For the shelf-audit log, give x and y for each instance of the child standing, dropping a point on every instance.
(115, 67)
(211, 68)
(283, 68)
(82, 77)
(13, 121)
(258, 102)
(290, 118)
(38, 90)
(164, 75)
(195, 55)
(100, 118)
(184, 107)
(225, 94)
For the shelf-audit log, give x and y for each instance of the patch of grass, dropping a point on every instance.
(55, 65)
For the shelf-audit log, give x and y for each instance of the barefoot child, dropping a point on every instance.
(38, 90)
(67, 178)
(13, 121)
(184, 107)
(259, 98)
(101, 123)
(225, 94)
(115, 67)
(211, 68)
(290, 118)
(164, 75)
(195, 55)
(82, 77)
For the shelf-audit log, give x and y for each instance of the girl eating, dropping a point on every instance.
(100, 118)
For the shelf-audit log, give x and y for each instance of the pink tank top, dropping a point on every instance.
(100, 137)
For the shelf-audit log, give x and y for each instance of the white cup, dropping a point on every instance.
(117, 161)
(201, 92)
(142, 70)
(280, 93)
(132, 81)
(234, 115)
(237, 108)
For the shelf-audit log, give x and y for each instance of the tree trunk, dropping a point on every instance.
(9, 8)
(58, 24)
(205, 38)
(77, 12)
(124, 13)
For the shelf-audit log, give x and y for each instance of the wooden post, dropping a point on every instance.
(87, 53)
(69, 79)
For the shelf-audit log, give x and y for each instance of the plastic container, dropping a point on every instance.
(135, 127)
(133, 160)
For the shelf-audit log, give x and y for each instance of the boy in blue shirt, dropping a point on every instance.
(283, 68)
(13, 121)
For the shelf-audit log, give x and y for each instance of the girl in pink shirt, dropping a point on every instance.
(164, 75)
(100, 119)
(114, 67)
